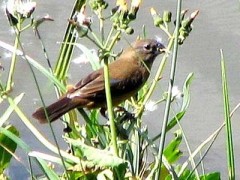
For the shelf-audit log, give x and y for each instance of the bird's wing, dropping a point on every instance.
(91, 86)
(88, 86)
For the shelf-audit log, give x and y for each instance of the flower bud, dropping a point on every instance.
(123, 26)
(98, 4)
(93, 4)
(104, 5)
(41, 20)
(193, 16)
(134, 9)
(186, 23)
(183, 13)
(82, 30)
(115, 15)
(183, 34)
(129, 30)
(167, 16)
(122, 4)
(157, 20)
(133, 13)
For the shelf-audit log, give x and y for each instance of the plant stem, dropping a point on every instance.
(109, 35)
(109, 47)
(108, 92)
(109, 107)
(171, 82)
(14, 59)
(101, 25)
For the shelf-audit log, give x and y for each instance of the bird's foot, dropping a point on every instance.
(121, 112)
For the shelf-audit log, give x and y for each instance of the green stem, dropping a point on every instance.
(171, 82)
(26, 27)
(108, 94)
(109, 35)
(165, 30)
(97, 41)
(113, 41)
(110, 107)
(14, 59)
(94, 42)
(101, 25)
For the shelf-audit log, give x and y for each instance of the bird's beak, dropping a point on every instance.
(164, 50)
(161, 49)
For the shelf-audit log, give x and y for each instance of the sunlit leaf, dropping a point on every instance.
(97, 157)
(211, 176)
(172, 151)
(186, 101)
(7, 147)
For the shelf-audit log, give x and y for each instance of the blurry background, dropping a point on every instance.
(216, 27)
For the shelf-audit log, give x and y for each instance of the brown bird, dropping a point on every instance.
(128, 73)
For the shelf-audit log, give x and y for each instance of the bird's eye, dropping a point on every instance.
(147, 47)
(154, 48)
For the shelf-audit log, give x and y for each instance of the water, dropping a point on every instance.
(216, 27)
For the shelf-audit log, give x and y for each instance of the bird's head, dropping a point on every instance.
(147, 50)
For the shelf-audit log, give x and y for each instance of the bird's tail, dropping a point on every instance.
(54, 111)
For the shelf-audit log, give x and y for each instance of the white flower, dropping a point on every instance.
(151, 106)
(177, 99)
(80, 18)
(81, 22)
(176, 93)
(21, 7)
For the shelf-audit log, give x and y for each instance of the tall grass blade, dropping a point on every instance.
(5, 116)
(67, 47)
(227, 117)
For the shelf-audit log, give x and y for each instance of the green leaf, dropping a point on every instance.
(49, 173)
(172, 151)
(211, 176)
(227, 118)
(185, 175)
(100, 158)
(186, 101)
(7, 147)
